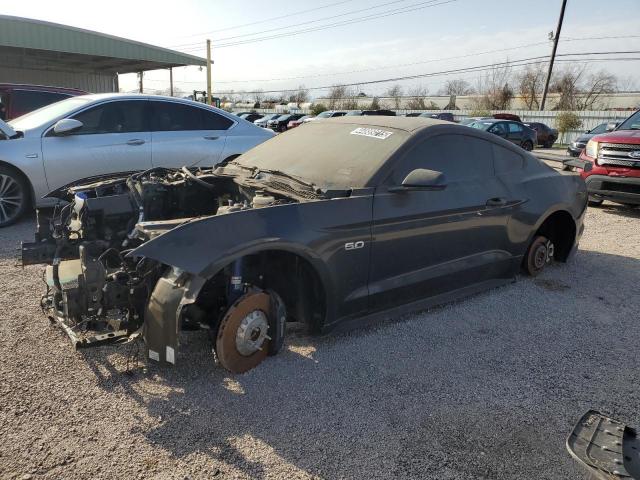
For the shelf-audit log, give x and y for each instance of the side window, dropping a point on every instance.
(114, 117)
(459, 157)
(215, 121)
(175, 117)
(514, 127)
(504, 160)
(25, 101)
(499, 129)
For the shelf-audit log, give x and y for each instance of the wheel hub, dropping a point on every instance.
(10, 198)
(242, 341)
(251, 333)
(543, 254)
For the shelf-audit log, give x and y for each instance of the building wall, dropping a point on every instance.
(90, 82)
(31, 69)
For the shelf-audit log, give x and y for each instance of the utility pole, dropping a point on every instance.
(208, 72)
(141, 85)
(556, 37)
(171, 81)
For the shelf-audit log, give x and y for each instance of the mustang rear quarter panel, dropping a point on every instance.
(318, 231)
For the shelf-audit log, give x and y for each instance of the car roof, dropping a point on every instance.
(408, 124)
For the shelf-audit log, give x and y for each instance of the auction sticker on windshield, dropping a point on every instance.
(372, 132)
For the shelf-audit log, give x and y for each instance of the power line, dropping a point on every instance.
(319, 75)
(389, 13)
(299, 12)
(306, 23)
(457, 72)
(514, 63)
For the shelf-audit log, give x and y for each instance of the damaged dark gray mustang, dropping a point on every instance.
(348, 219)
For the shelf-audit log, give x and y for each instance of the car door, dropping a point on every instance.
(186, 135)
(114, 137)
(515, 133)
(428, 242)
(500, 129)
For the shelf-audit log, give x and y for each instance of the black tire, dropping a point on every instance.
(527, 145)
(14, 196)
(549, 143)
(539, 255)
(595, 202)
(567, 168)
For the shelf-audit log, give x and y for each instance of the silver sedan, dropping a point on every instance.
(108, 133)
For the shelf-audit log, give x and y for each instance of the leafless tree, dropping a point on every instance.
(566, 83)
(456, 87)
(258, 96)
(596, 85)
(350, 99)
(300, 95)
(530, 83)
(395, 93)
(579, 90)
(628, 83)
(496, 92)
(336, 94)
(417, 100)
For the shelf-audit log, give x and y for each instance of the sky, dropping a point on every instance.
(396, 38)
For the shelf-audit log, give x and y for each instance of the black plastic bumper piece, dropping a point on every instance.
(616, 189)
(607, 448)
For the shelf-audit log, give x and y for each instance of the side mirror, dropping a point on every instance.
(421, 179)
(67, 126)
(611, 127)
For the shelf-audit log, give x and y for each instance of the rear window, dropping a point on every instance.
(25, 101)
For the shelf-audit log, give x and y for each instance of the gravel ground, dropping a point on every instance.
(488, 387)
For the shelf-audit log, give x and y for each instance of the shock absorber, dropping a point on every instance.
(236, 286)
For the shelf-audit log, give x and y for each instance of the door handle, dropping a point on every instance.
(496, 202)
(136, 141)
(211, 137)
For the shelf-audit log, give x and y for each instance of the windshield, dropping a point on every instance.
(481, 125)
(46, 114)
(324, 115)
(631, 123)
(329, 155)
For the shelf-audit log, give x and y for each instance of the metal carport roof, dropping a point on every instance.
(76, 48)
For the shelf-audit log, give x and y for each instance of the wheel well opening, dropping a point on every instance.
(294, 279)
(560, 228)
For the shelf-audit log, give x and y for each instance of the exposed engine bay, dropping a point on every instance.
(97, 292)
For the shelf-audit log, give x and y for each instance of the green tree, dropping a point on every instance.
(318, 108)
(567, 121)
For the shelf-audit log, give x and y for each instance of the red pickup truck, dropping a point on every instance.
(610, 164)
(18, 99)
